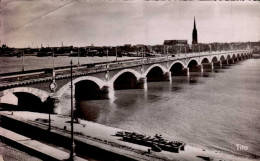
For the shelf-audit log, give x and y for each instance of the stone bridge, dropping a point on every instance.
(99, 82)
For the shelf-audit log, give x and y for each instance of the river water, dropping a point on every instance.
(218, 110)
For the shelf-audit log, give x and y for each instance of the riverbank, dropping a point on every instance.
(36, 148)
(103, 138)
(9, 153)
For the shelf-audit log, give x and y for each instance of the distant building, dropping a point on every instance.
(140, 45)
(175, 42)
(194, 34)
(127, 45)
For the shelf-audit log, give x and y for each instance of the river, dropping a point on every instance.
(218, 110)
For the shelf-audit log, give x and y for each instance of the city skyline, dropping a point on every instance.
(81, 23)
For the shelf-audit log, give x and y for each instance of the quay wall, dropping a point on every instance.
(59, 138)
(28, 150)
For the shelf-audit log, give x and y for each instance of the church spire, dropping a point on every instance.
(194, 23)
(194, 33)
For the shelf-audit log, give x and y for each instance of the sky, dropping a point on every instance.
(30, 23)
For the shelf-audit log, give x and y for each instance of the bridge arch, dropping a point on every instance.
(176, 68)
(228, 57)
(214, 59)
(95, 80)
(243, 55)
(239, 56)
(135, 73)
(222, 58)
(126, 79)
(234, 56)
(25, 98)
(180, 62)
(192, 62)
(155, 72)
(204, 60)
(43, 95)
(194, 66)
(153, 66)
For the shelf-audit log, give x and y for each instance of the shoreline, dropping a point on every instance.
(103, 136)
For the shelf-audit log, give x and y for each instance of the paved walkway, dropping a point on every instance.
(34, 145)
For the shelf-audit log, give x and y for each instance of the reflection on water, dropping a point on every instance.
(217, 109)
(91, 113)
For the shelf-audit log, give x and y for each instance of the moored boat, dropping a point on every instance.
(153, 142)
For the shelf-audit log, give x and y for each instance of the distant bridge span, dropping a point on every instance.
(100, 81)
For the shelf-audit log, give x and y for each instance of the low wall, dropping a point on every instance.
(59, 138)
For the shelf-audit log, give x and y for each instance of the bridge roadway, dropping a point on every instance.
(98, 81)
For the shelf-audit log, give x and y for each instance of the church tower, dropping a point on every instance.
(194, 34)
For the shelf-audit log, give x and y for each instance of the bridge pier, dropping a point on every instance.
(186, 71)
(87, 93)
(141, 83)
(217, 64)
(167, 76)
(180, 72)
(207, 67)
(196, 68)
(231, 61)
(225, 62)
(53, 103)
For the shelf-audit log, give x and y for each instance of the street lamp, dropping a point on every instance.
(52, 87)
(23, 62)
(78, 58)
(53, 60)
(143, 53)
(107, 58)
(167, 52)
(164, 49)
(72, 149)
(116, 53)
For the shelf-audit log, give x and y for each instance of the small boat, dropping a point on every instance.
(156, 148)
(158, 143)
(122, 133)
